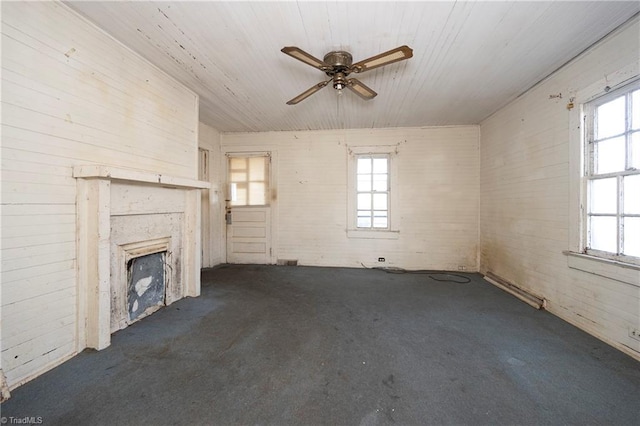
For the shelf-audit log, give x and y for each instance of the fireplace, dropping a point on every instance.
(138, 247)
(145, 285)
(140, 279)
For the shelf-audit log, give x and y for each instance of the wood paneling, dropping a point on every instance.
(71, 95)
(528, 211)
(437, 181)
(470, 58)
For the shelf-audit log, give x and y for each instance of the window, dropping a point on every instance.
(613, 175)
(372, 196)
(372, 191)
(248, 180)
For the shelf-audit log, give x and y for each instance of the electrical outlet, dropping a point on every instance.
(462, 268)
(634, 333)
(381, 259)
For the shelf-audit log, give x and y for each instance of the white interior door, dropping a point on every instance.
(248, 236)
(248, 213)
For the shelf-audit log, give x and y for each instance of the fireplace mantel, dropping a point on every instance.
(108, 195)
(99, 171)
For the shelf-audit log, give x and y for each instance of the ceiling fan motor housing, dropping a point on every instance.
(340, 61)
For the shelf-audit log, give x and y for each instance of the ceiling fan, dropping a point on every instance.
(338, 65)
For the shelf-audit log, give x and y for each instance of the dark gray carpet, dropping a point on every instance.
(303, 345)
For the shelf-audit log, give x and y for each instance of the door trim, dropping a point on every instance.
(247, 151)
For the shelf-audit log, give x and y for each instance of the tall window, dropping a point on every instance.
(613, 175)
(372, 188)
(249, 180)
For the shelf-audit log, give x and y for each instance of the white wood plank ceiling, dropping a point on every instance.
(470, 58)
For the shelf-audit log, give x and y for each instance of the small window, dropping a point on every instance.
(613, 175)
(372, 192)
(248, 180)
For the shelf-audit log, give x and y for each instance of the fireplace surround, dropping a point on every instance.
(123, 214)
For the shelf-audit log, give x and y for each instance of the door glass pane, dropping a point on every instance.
(238, 176)
(635, 106)
(257, 168)
(249, 180)
(631, 236)
(610, 118)
(635, 149)
(610, 156)
(603, 196)
(380, 201)
(602, 232)
(237, 163)
(364, 202)
(234, 192)
(241, 196)
(631, 185)
(364, 165)
(257, 194)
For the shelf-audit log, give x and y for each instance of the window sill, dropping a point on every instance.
(369, 234)
(620, 271)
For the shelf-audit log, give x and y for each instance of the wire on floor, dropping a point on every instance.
(436, 276)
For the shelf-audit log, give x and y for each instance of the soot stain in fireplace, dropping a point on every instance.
(146, 284)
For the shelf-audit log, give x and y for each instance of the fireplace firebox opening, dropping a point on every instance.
(146, 290)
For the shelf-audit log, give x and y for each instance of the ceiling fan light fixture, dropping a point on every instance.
(339, 81)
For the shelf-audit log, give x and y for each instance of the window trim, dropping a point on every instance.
(391, 232)
(613, 269)
(372, 192)
(588, 165)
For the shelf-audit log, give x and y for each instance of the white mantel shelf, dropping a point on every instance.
(98, 171)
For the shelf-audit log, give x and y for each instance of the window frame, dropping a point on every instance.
(589, 173)
(353, 153)
(372, 192)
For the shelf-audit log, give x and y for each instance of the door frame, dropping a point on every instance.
(272, 194)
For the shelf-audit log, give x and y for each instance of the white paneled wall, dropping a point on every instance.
(213, 199)
(437, 183)
(530, 194)
(71, 95)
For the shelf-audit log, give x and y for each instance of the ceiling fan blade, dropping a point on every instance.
(304, 95)
(303, 56)
(360, 89)
(393, 55)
